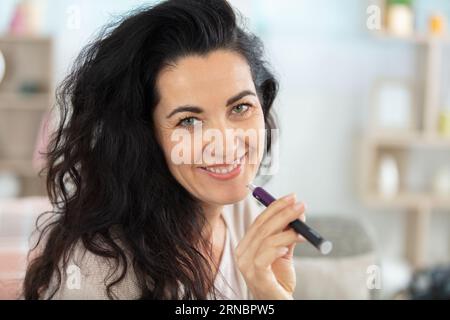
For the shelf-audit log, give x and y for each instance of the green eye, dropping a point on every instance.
(241, 108)
(188, 122)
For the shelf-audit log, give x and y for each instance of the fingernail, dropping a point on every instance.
(300, 237)
(298, 206)
(303, 217)
(289, 197)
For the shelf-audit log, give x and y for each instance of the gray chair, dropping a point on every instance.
(345, 272)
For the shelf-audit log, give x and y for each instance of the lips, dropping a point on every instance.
(224, 168)
(224, 171)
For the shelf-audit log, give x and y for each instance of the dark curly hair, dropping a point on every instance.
(105, 170)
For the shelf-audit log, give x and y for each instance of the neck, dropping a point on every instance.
(213, 215)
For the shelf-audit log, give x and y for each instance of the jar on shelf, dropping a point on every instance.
(444, 119)
(400, 18)
(444, 123)
(441, 182)
(388, 176)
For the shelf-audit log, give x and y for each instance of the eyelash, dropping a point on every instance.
(249, 106)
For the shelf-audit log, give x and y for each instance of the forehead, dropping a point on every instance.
(204, 79)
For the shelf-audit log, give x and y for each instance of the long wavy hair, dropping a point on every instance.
(106, 173)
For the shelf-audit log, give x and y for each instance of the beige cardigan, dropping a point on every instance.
(86, 272)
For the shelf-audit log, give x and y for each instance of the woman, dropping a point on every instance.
(132, 223)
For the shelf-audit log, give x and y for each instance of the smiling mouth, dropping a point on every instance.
(225, 168)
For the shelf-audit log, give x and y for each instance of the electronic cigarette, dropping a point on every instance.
(324, 246)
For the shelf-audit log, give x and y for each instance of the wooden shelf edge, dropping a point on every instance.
(415, 38)
(409, 200)
(25, 38)
(410, 139)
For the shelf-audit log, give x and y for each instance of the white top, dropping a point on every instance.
(227, 280)
(94, 269)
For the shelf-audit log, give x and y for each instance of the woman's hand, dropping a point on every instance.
(264, 255)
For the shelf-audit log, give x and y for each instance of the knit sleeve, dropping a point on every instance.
(87, 275)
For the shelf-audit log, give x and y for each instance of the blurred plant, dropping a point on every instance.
(399, 2)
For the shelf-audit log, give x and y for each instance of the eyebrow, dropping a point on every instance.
(196, 109)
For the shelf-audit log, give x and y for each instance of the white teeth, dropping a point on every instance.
(225, 169)
(222, 170)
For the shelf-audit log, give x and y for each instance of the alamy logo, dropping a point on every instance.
(373, 17)
(373, 277)
(213, 146)
(73, 281)
(73, 17)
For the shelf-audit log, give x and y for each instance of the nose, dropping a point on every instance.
(222, 143)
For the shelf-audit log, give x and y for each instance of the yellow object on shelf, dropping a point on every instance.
(444, 123)
(437, 24)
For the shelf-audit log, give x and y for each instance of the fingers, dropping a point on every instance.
(282, 219)
(275, 247)
(266, 247)
(276, 225)
(270, 211)
(270, 239)
(284, 238)
(291, 248)
(265, 260)
(273, 208)
(302, 217)
(277, 222)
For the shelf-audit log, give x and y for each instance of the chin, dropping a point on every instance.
(225, 196)
(225, 192)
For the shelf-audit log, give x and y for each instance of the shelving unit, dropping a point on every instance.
(424, 138)
(25, 97)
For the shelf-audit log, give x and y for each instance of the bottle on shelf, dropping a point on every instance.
(437, 24)
(400, 18)
(388, 176)
(444, 119)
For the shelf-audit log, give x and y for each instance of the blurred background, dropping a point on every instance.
(364, 111)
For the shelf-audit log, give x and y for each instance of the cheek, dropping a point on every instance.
(167, 147)
(177, 170)
(178, 151)
(256, 143)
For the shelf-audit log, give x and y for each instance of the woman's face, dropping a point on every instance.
(210, 125)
